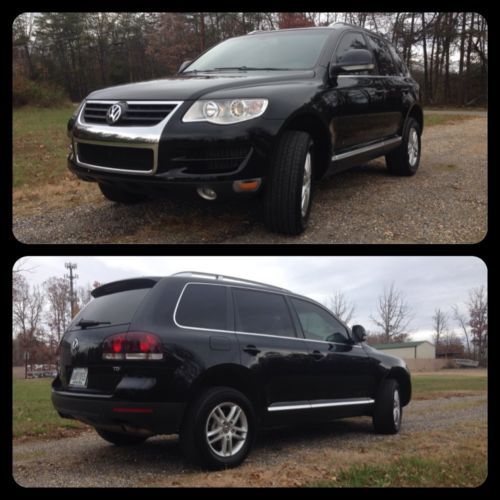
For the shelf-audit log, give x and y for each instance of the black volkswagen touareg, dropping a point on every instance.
(213, 358)
(268, 113)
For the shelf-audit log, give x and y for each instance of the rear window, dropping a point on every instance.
(116, 308)
(203, 306)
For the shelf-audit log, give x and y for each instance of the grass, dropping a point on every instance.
(438, 119)
(413, 471)
(33, 414)
(40, 145)
(435, 385)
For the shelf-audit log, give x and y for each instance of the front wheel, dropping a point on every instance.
(219, 428)
(404, 160)
(388, 412)
(289, 190)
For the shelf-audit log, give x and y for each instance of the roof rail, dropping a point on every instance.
(222, 277)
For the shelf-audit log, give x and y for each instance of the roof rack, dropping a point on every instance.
(222, 277)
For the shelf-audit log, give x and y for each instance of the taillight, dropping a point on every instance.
(132, 346)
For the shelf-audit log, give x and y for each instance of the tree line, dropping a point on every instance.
(447, 52)
(460, 332)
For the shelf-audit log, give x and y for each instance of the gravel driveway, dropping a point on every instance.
(88, 461)
(446, 202)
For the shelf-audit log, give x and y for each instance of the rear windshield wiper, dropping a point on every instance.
(85, 323)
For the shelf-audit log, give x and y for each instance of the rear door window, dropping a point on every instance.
(115, 308)
(262, 312)
(203, 306)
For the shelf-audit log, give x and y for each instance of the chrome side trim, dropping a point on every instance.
(147, 137)
(367, 149)
(310, 406)
(83, 394)
(237, 331)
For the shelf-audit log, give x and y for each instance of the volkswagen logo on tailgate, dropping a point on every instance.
(75, 345)
(115, 112)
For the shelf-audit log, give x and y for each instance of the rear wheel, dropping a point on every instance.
(289, 190)
(405, 159)
(388, 411)
(119, 439)
(118, 195)
(219, 428)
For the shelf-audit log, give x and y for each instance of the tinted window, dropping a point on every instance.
(261, 312)
(400, 66)
(203, 306)
(116, 308)
(317, 324)
(350, 41)
(382, 56)
(289, 50)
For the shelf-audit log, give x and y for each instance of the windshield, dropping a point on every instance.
(281, 51)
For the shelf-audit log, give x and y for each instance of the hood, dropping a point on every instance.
(191, 87)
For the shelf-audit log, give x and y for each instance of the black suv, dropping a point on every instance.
(267, 113)
(214, 358)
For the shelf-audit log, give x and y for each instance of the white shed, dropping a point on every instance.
(409, 350)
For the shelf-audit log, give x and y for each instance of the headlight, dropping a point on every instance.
(71, 121)
(225, 111)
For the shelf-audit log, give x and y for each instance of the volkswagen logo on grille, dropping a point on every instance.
(75, 345)
(115, 112)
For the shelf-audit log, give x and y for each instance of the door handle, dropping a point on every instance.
(317, 355)
(252, 350)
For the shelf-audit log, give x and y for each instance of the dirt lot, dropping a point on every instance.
(446, 202)
(450, 431)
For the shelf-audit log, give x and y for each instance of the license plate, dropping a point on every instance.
(79, 377)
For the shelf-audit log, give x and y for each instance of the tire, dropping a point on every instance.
(388, 412)
(286, 211)
(203, 417)
(118, 195)
(402, 161)
(119, 439)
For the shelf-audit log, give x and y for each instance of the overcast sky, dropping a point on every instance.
(427, 282)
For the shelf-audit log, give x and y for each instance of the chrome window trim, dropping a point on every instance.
(367, 149)
(147, 137)
(330, 404)
(237, 331)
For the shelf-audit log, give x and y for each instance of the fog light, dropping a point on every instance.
(246, 186)
(207, 193)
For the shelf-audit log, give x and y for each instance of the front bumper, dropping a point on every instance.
(191, 154)
(113, 414)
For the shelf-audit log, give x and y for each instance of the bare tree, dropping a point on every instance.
(59, 312)
(440, 320)
(478, 321)
(461, 320)
(342, 307)
(393, 315)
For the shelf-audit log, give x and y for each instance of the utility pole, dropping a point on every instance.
(71, 277)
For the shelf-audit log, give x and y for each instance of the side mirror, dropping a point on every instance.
(352, 60)
(184, 65)
(359, 333)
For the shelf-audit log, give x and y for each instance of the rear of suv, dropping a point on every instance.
(215, 358)
(267, 114)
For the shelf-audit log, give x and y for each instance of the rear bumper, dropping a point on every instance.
(108, 412)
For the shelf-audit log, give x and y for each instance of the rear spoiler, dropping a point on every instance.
(123, 285)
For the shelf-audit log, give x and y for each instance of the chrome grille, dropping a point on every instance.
(138, 115)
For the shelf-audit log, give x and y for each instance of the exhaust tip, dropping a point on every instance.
(207, 193)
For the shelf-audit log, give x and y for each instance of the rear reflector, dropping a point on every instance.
(133, 410)
(132, 346)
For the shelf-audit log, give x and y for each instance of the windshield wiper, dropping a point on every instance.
(249, 68)
(85, 323)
